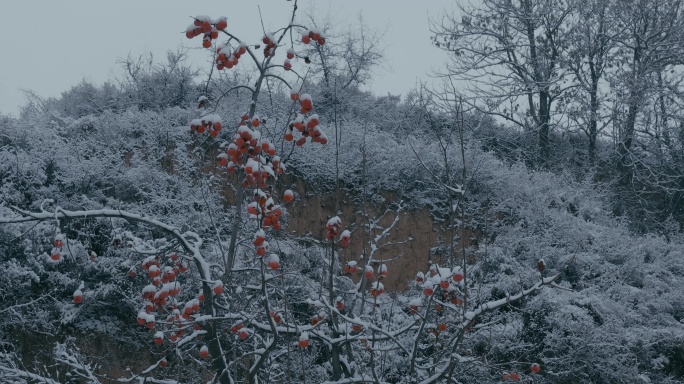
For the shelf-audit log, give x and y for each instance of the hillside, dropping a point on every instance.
(616, 314)
(262, 226)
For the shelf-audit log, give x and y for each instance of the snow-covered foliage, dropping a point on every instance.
(129, 248)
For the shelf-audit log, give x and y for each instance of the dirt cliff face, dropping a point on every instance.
(407, 247)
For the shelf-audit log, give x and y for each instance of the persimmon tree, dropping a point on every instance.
(253, 160)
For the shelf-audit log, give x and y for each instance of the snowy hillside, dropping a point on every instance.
(179, 229)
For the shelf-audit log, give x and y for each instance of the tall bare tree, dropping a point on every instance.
(507, 54)
(589, 59)
(652, 43)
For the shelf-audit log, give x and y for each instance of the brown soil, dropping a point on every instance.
(405, 251)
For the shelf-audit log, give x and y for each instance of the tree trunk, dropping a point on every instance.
(593, 119)
(625, 166)
(544, 117)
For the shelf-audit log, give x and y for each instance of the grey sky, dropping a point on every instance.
(49, 46)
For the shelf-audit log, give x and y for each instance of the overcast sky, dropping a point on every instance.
(49, 46)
